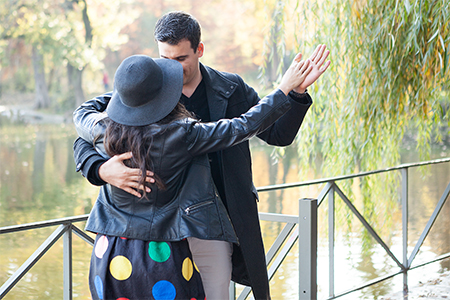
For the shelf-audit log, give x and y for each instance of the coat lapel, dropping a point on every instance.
(218, 91)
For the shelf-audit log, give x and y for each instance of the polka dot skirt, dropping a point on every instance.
(125, 269)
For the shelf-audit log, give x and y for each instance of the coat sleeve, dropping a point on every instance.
(284, 130)
(214, 136)
(86, 119)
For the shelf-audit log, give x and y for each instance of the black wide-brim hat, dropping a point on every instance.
(145, 90)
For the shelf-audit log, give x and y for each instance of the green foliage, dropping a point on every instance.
(389, 73)
(76, 32)
(57, 26)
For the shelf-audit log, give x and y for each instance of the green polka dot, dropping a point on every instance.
(159, 251)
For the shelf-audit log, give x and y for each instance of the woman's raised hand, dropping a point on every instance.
(295, 74)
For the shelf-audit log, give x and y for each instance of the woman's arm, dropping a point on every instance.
(215, 136)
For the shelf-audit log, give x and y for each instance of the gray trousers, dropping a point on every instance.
(213, 259)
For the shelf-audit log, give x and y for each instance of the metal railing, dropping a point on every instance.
(65, 229)
(302, 227)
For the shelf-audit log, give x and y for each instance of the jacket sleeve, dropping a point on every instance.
(214, 136)
(87, 161)
(86, 118)
(284, 130)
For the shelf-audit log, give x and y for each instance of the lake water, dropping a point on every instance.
(38, 182)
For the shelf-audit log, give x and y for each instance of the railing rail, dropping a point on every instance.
(308, 268)
(302, 227)
(65, 230)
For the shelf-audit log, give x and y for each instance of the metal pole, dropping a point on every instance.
(307, 245)
(404, 173)
(67, 263)
(232, 290)
(331, 229)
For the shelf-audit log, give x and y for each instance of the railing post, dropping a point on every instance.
(232, 290)
(307, 245)
(331, 229)
(404, 173)
(67, 263)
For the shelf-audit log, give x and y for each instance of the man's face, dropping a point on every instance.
(183, 53)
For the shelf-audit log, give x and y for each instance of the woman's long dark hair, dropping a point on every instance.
(138, 140)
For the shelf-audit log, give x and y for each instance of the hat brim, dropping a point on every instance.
(160, 105)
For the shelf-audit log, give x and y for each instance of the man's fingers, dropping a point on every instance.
(315, 53)
(323, 58)
(304, 66)
(132, 192)
(319, 54)
(298, 57)
(124, 156)
(308, 70)
(325, 66)
(141, 187)
(149, 177)
(135, 187)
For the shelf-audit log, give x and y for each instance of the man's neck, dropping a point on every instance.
(189, 88)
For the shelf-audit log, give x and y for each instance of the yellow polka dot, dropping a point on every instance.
(195, 266)
(120, 267)
(187, 269)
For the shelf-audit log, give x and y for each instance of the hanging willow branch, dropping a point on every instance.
(389, 75)
(389, 70)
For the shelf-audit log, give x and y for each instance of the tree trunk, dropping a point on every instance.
(42, 99)
(274, 58)
(75, 84)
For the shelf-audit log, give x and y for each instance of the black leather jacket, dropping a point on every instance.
(190, 205)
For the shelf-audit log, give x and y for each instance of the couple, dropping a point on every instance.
(142, 240)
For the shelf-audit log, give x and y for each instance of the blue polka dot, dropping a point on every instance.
(164, 290)
(99, 286)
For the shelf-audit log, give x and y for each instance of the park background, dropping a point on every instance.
(383, 101)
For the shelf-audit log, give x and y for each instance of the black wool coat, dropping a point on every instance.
(229, 96)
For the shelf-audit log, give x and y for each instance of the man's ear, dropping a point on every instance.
(200, 49)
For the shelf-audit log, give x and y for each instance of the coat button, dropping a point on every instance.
(78, 165)
(231, 87)
(227, 92)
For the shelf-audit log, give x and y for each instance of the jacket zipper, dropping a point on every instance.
(188, 210)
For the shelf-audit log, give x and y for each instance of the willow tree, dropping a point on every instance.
(389, 74)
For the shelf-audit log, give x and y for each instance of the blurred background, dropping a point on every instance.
(383, 101)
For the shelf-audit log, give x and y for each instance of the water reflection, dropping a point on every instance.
(38, 182)
(358, 258)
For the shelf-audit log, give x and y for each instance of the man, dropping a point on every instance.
(211, 95)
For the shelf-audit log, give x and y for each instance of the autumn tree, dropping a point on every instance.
(71, 33)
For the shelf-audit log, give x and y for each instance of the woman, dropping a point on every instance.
(141, 250)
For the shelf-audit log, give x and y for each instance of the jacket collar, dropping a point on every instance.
(218, 90)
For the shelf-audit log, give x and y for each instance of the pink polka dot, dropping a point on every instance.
(122, 298)
(101, 246)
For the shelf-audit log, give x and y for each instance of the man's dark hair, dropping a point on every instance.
(176, 26)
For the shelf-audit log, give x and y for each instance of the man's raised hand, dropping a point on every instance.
(319, 66)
